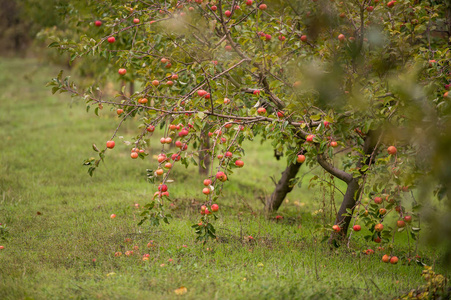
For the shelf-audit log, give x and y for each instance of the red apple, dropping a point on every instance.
(333, 144)
(122, 71)
(382, 211)
(357, 227)
(135, 20)
(369, 251)
(168, 165)
(113, 216)
(379, 227)
(120, 111)
(228, 48)
(369, 8)
(301, 158)
(150, 128)
(111, 39)
(263, 6)
(206, 191)
(201, 93)
(394, 260)
(391, 150)
(239, 163)
(386, 258)
(110, 144)
(268, 37)
(155, 83)
(400, 224)
(228, 13)
(280, 114)
(221, 176)
(341, 37)
(159, 172)
(207, 182)
(309, 138)
(336, 228)
(162, 187)
(304, 38)
(249, 2)
(134, 155)
(378, 200)
(282, 38)
(214, 8)
(214, 207)
(98, 23)
(261, 110)
(408, 219)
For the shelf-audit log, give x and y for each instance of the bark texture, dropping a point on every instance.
(283, 187)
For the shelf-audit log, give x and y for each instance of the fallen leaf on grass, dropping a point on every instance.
(181, 290)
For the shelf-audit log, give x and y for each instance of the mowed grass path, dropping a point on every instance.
(59, 218)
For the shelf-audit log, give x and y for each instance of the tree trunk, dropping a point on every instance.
(132, 88)
(283, 187)
(353, 189)
(204, 157)
(349, 201)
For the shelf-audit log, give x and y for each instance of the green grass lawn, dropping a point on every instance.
(59, 218)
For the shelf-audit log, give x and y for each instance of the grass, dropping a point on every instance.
(58, 219)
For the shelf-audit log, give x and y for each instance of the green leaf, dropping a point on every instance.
(53, 45)
(55, 89)
(315, 117)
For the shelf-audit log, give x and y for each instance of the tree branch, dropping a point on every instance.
(346, 177)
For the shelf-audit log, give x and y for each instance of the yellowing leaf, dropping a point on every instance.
(181, 290)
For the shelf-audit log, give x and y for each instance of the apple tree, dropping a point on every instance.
(350, 87)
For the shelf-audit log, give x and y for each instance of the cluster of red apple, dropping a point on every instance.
(390, 259)
(205, 211)
(385, 258)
